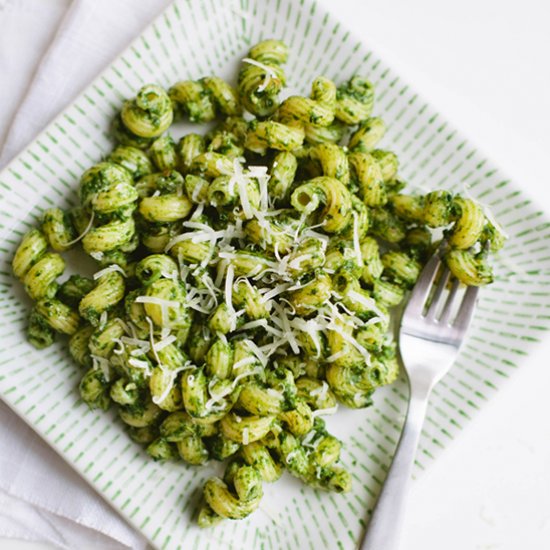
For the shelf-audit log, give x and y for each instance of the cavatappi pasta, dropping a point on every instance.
(246, 275)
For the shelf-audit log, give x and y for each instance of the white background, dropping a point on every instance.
(485, 65)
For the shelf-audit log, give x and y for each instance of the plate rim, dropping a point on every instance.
(320, 12)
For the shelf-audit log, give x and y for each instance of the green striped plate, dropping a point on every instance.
(199, 37)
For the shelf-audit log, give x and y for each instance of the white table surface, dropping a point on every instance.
(484, 64)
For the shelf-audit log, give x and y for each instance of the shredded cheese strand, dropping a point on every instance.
(107, 270)
(83, 234)
(269, 72)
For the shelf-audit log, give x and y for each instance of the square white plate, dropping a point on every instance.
(191, 39)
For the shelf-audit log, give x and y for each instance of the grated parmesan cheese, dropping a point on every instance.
(288, 334)
(367, 302)
(274, 393)
(97, 255)
(243, 193)
(229, 276)
(268, 70)
(292, 308)
(157, 301)
(102, 364)
(103, 318)
(290, 456)
(135, 342)
(324, 412)
(257, 352)
(169, 275)
(197, 191)
(309, 437)
(152, 342)
(261, 175)
(171, 375)
(244, 375)
(140, 364)
(351, 340)
(107, 270)
(196, 237)
(162, 303)
(275, 291)
(335, 356)
(356, 244)
(321, 392)
(198, 212)
(82, 235)
(120, 349)
(161, 344)
(296, 263)
(357, 398)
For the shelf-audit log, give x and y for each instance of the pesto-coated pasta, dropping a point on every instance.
(329, 198)
(333, 160)
(201, 100)
(247, 272)
(283, 172)
(269, 134)
(32, 247)
(78, 345)
(39, 333)
(40, 279)
(108, 292)
(58, 229)
(149, 114)
(261, 77)
(354, 100)
(165, 208)
(110, 237)
(211, 165)
(163, 153)
(139, 417)
(94, 389)
(369, 133)
(389, 164)
(189, 147)
(74, 289)
(133, 159)
(59, 316)
(469, 268)
(367, 175)
(305, 111)
(155, 266)
(325, 134)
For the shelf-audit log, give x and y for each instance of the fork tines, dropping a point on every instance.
(433, 301)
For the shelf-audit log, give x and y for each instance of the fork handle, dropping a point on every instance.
(386, 523)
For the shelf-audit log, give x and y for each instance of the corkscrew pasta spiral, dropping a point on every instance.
(149, 114)
(202, 100)
(261, 77)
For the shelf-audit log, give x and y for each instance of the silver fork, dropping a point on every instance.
(430, 337)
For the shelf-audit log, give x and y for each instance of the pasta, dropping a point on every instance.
(202, 100)
(149, 114)
(261, 77)
(246, 276)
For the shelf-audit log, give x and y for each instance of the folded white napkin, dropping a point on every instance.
(41, 498)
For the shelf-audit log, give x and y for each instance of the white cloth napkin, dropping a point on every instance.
(41, 498)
